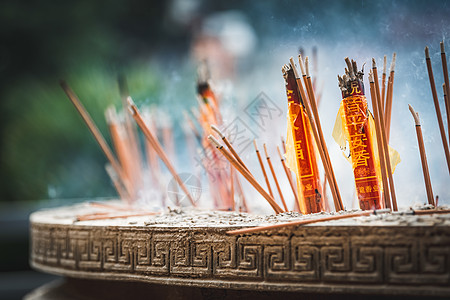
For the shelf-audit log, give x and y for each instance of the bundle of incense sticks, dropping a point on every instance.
(366, 138)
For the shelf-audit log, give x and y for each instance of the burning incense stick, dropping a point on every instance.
(304, 222)
(320, 142)
(384, 138)
(97, 135)
(383, 83)
(288, 175)
(381, 153)
(436, 106)
(446, 85)
(390, 91)
(423, 156)
(262, 168)
(157, 147)
(447, 107)
(230, 147)
(246, 174)
(269, 162)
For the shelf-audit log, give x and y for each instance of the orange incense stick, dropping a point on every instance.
(384, 139)
(446, 85)
(262, 168)
(447, 107)
(121, 216)
(436, 106)
(288, 173)
(269, 162)
(381, 153)
(389, 96)
(318, 137)
(383, 83)
(246, 174)
(97, 135)
(157, 147)
(229, 145)
(423, 156)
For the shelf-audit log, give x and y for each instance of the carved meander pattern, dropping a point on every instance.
(368, 255)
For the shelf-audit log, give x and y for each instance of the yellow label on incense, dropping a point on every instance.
(300, 153)
(355, 127)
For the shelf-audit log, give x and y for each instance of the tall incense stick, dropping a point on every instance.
(423, 156)
(384, 138)
(320, 142)
(436, 107)
(446, 86)
(262, 168)
(383, 82)
(97, 135)
(158, 149)
(389, 97)
(381, 153)
(269, 162)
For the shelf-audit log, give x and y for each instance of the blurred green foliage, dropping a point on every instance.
(45, 148)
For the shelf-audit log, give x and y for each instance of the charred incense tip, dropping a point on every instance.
(374, 64)
(350, 71)
(291, 60)
(391, 69)
(415, 115)
(214, 141)
(307, 66)
(427, 53)
(214, 127)
(384, 64)
(302, 66)
(442, 47)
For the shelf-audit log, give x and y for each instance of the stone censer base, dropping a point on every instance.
(397, 255)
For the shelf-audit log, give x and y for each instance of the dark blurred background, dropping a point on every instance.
(46, 152)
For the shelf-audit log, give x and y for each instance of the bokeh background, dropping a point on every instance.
(47, 156)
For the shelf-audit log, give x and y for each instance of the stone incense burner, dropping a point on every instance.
(377, 255)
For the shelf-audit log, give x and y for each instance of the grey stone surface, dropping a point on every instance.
(390, 254)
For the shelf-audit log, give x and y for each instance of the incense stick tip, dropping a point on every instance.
(374, 64)
(307, 66)
(371, 76)
(265, 150)
(302, 66)
(291, 60)
(214, 141)
(427, 52)
(415, 115)
(442, 47)
(214, 127)
(391, 69)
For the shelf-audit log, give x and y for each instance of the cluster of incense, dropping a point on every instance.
(366, 137)
(446, 93)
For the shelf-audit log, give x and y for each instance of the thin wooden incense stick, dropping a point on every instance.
(325, 163)
(97, 135)
(317, 132)
(384, 138)
(229, 145)
(381, 153)
(446, 86)
(246, 174)
(269, 162)
(447, 105)
(305, 222)
(389, 97)
(262, 168)
(116, 216)
(423, 156)
(383, 82)
(286, 170)
(157, 147)
(436, 106)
